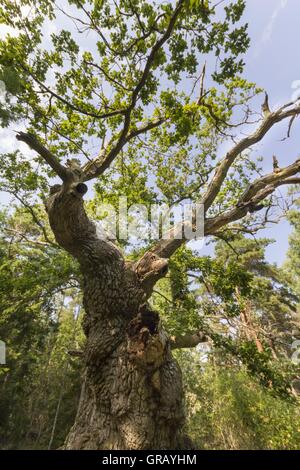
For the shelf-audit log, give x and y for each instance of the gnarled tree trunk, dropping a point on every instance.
(132, 395)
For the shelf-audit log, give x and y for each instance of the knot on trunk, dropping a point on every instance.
(147, 343)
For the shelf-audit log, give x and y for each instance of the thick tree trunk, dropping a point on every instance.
(132, 395)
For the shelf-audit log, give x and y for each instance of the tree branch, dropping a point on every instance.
(123, 138)
(69, 104)
(35, 218)
(188, 340)
(222, 170)
(256, 192)
(96, 167)
(145, 128)
(51, 159)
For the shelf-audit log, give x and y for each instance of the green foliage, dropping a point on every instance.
(228, 409)
(66, 110)
(292, 265)
(212, 294)
(41, 379)
(35, 334)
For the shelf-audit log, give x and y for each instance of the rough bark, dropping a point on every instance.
(132, 395)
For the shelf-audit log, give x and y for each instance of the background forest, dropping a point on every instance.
(242, 382)
(236, 388)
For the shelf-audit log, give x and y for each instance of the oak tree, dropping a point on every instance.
(123, 87)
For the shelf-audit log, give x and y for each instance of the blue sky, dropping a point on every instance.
(272, 63)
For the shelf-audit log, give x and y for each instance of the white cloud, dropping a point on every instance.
(26, 12)
(9, 143)
(267, 34)
(5, 30)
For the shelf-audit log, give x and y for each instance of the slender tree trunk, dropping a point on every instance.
(251, 328)
(132, 396)
(248, 325)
